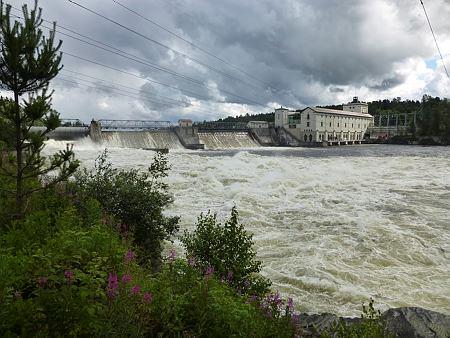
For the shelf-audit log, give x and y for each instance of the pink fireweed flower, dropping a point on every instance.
(148, 297)
(290, 304)
(136, 289)
(229, 276)
(246, 284)
(277, 298)
(192, 261)
(42, 281)
(209, 271)
(69, 276)
(126, 278)
(171, 257)
(129, 256)
(113, 284)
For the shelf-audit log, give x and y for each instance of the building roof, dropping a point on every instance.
(338, 112)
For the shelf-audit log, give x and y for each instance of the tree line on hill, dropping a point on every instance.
(432, 115)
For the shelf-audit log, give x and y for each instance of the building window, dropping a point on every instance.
(307, 117)
(305, 138)
(338, 124)
(307, 124)
(352, 125)
(345, 125)
(310, 138)
(321, 124)
(330, 124)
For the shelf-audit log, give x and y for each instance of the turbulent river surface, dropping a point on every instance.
(333, 226)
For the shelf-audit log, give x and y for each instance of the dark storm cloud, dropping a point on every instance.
(389, 83)
(302, 52)
(336, 90)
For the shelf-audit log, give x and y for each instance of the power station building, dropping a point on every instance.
(317, 125)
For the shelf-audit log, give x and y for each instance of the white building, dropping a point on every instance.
(330, 125)
(356, 106)
(281, 117)
(316, 125)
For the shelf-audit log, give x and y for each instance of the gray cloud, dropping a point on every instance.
(303, 52)
(389, 83)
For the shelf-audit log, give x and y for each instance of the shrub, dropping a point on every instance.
(370, 325)
(228, 249)
(136, 199)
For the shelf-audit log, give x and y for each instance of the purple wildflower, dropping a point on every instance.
(113, 284)
(148, 297)
(172, 255)
(126, 278)
(192, 262)
(129, 256)
(295, 318)
(69, 276)
(42, 281)
(209, 271)
(229, 276)
(136, 289)
(277, 299)
(246, 284)
(290, 304)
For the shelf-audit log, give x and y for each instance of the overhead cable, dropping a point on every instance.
(434, 37)
(192, 44)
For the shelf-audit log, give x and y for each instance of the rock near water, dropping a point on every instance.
(405, 322)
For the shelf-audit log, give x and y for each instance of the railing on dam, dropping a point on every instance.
(221, 126)
(134, 125)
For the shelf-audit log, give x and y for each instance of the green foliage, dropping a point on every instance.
(434, 118)
(227, 248)
(370, 325)
(28, 61)
(136, 199)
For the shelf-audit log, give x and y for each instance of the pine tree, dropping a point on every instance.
(28, 61)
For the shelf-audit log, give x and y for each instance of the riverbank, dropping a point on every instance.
(403, 322)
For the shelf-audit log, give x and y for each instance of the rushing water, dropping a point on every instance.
(333, 226)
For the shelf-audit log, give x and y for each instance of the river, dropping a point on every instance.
(333, 226)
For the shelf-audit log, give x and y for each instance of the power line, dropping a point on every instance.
(140, 91)
(118, 92)
(189, 42)
(434, 37)
(159, 43)
(158, 82)
(135, 75)
(143, 61)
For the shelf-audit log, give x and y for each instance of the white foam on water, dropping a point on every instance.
(332, 228)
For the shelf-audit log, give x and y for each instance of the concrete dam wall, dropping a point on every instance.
(227, 139)
(164, 138)
(154, 139)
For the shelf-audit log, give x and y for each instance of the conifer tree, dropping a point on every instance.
(28, 61)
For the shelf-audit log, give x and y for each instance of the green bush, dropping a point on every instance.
(228, 250)
(136, 199)
(370, 325)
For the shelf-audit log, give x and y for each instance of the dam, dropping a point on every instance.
(159, 135)
(156, 135)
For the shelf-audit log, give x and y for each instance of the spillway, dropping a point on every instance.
(155, 139)
(227, 140)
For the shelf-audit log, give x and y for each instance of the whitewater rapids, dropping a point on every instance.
(333, 226)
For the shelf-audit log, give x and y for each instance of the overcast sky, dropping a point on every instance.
(293, 53)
